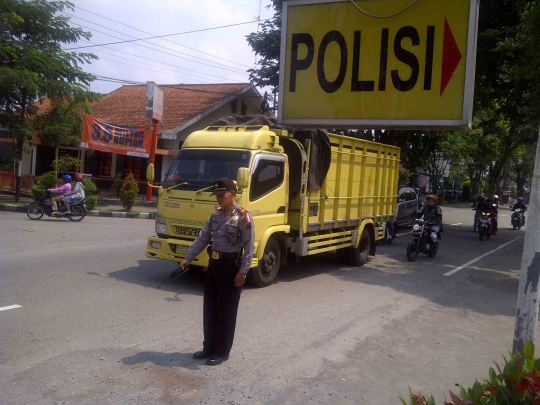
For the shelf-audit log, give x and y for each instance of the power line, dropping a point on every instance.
(151, 60)
(151, 43)
(163, 63)
(169, 35)
(150, 70)
(165, 39)
(229, 68)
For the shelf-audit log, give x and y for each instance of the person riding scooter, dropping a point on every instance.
(520, 205)
(62, 190)
(432, 213)
(77, 194)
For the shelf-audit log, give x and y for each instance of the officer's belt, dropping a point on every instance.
(223, 255)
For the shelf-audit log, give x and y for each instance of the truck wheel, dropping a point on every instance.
(264, 274)
(358, 256)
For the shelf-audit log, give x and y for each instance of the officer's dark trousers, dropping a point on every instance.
(221, 300)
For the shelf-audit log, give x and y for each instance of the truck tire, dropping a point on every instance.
(264, 274)
(358, 256)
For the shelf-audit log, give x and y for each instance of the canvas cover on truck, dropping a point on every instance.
(320, 154)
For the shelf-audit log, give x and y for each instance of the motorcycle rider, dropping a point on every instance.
(432, 214)
(77, 194)
(62, 190)
(521, 205)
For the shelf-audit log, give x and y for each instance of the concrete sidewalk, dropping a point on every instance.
(7, 203)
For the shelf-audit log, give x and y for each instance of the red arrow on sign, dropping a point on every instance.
(451, 56)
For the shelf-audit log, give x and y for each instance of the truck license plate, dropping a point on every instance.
(179, 249)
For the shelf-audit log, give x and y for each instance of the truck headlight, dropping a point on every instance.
(161, 225)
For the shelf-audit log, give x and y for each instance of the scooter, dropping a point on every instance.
(43, 206)
(517, 218)
(484, 225)
(423, 240)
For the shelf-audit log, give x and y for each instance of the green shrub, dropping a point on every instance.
(129, 192)
(38, 192)
(47, 180)
(89, 187)
(517, 383)
(91, 201)
(90, 190)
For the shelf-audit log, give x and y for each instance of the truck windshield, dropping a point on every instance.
(197, 169)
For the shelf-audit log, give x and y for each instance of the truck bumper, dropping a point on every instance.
(174, 250)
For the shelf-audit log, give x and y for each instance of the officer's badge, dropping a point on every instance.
(233, 220)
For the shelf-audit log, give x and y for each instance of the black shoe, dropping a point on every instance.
(201, 355)
(396, 236)
(216, 360)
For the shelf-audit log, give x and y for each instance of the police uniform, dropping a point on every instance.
(230, 253)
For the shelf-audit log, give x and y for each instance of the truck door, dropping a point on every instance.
(268, 201)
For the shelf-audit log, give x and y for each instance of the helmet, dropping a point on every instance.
(520, 199)
(433, 197)
(67, 178)
(495, 197)
(78, 177)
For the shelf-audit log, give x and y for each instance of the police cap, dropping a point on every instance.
(221, 186)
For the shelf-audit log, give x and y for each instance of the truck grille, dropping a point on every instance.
(186, 231)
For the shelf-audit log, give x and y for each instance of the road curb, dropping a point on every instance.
(95, 213)
(13, 208)
(115, 214)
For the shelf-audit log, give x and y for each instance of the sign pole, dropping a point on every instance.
(528, 294)
(152, 156)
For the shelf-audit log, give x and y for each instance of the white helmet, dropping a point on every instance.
(496, 196)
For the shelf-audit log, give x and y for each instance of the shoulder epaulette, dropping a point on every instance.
(245, 216)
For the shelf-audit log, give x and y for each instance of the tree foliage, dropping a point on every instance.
(507, 97)
(33, 65)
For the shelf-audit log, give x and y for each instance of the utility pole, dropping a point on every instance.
(528, 294)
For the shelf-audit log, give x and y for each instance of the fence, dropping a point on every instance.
(105, 186)
(9, 181)
(110, 187)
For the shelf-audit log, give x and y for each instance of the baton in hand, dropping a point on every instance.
(174, 273)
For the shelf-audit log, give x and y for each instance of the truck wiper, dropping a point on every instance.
(185, 183)
(203, 189)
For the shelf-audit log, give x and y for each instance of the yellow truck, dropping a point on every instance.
(308, 191)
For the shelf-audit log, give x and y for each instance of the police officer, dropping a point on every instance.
(232, 231)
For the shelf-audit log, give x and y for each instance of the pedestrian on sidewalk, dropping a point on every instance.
(231, 251)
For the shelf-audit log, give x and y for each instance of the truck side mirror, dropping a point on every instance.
(150, 172)
(242, 177)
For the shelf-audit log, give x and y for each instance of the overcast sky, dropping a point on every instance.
(172, 65)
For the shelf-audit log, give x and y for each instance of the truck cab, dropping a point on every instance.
(307, 192)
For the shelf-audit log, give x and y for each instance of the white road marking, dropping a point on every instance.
(10, 307)
(479, 258)
(505, 215)
(459, 223)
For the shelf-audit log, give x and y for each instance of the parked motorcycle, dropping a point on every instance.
(484, 225)
(517, 218)
(423, 240)
(43, 206)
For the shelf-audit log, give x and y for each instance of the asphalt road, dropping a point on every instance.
(93, 329)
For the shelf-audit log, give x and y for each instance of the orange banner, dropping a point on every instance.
(112, 138)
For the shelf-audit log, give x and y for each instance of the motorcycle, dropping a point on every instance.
(422, 240)
(517, 218)
(484, 225)
(43, 206)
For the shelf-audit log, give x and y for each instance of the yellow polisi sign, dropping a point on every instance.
(377, 63)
